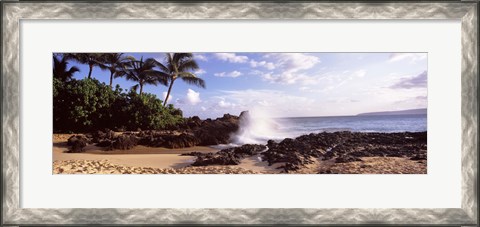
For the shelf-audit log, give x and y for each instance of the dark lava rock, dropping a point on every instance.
(345, 147)
(325, 172)
(226, 158)
(218, 131)
(190, 123)
(246, 150)
(229, 156)
(180, 141)
(100, 136)
(329, 155)
(168, 140)
(104, 143)
(77, 143)
(325, 140)
(419, 157)
(124, 142)
(346, 158)
(295, 153)
(194, 131)
(194, 153)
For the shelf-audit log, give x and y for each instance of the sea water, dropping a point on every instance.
(261, 129)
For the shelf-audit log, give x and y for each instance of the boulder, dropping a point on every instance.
(225, 158)
(218, 131)
(124, 142)
(77, 143)
(229, 156)
(293, 152)
(180, 141)
(168, 140)
(99, 136)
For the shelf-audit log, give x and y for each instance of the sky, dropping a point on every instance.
(293, 84)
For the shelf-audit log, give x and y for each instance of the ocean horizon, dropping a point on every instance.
(261, 129)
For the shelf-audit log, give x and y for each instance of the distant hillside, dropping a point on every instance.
(400, 112)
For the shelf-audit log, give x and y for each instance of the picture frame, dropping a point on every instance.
(14, 12)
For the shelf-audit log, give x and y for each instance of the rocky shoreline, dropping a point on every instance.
(193, 132)
(342, 147)
(289, 154)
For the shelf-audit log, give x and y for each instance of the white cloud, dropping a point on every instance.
(200, 72)
(412, 57)
(224, 104)
(325, 81)
(230, 74)
(290, 68)
(277, 103)
(231, 57)
(200, 57)
(359, 73)
(203, 108)
(290, 78)
(193, 97)
(293, 62)
(267, 65)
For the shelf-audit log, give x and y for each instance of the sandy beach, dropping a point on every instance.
(142, 159)
(158, 160)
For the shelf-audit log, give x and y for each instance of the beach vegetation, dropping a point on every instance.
(87, 105)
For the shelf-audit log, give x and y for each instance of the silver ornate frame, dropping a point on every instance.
(14, 12)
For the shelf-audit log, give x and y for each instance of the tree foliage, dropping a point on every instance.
(143, 72)
(61, 70)
(180, 65)
(86, 105)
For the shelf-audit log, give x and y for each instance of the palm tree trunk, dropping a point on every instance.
(111, 78)
(168, 93)
(90, 72)
(141, 89)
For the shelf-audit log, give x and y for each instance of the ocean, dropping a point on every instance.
(260, 130)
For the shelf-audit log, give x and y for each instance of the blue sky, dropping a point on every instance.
(294, 84)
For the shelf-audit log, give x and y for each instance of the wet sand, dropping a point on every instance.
(140, 156)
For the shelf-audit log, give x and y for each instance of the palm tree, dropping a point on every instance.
(89, 59)
(115, 63)
(60, 68)
(142, 72)
(180, 65)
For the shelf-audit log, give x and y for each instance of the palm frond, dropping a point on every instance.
(135, 87)
(188, 65)
(193, 80)
(60, 68)
(73, 70)
(177, 57)
(162, 67)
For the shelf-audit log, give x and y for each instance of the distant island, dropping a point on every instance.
(399, 112)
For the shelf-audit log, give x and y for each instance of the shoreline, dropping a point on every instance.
(141, 159)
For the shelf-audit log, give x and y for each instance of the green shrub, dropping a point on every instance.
(86, 105)
(147, 112)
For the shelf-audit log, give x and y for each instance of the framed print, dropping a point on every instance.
(240, 113)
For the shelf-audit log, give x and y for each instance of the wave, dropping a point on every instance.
(257, 127)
